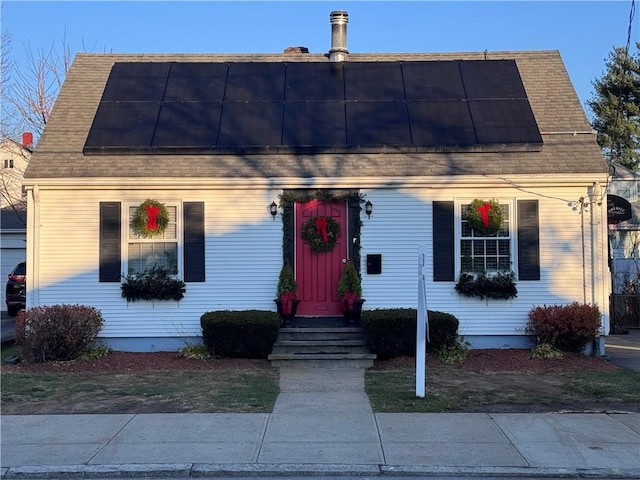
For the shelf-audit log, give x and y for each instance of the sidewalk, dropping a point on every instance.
(322, 424)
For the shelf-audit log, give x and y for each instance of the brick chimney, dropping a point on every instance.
(338, 20)
(27, 140)
(295, 50)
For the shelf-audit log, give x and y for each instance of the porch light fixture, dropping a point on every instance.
(273, 210)
(368, 208)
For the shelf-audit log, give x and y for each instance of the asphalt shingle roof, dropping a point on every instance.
(568, 146)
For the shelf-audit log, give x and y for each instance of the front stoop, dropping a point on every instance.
(322, 348)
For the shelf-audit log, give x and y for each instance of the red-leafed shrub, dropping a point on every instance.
(567, 327)
(57, 332)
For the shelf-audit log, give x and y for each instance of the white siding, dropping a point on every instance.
(244, 254)
(402, 220)
(243, 257)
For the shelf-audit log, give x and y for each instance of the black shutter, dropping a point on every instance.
(110, 242)
(194, 267)
(443, 242)
(528, 240)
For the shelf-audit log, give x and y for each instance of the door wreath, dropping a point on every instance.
(485, 217)
(150, 219)
(320, 233)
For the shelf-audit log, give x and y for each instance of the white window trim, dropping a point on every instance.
(179, 235)
(513, 230)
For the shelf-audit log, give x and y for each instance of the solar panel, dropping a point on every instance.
(198, 82)
(504, 121)
(309, 82)
(255, 82)
(214, 107)
(314, 124)
(373, 81)
(137, 81)
(123, 124)
(445, 122)
(492, 79)
(188, 124)
(433, 81)
(377, 123)
(250, 125)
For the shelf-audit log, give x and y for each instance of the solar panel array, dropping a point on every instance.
(156, 107)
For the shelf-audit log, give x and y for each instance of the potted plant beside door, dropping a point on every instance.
(287, 301)
(350, 292)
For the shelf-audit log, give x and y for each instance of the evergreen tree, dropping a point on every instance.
(616, 105)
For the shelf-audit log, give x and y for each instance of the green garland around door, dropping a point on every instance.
(320, 233)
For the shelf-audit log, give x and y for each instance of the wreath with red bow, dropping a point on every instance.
(485, 217)
(150, 219)
(320, 233)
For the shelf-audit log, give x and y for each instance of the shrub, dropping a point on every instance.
(453, 354)
(245, 334)
(546, 351)
(195, 352)
(566, 327)
(392, 332)
(58, 332)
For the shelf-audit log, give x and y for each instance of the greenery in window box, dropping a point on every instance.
(499, 286)
(153, 284)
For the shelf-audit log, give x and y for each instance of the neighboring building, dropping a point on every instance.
(624, 245)
(13, 218)
(216, 139)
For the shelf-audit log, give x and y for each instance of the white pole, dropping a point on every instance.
(422, 328)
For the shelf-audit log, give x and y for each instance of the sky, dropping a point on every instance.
(584, 32)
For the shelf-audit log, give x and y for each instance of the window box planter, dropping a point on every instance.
(153, 284)
(497, 286)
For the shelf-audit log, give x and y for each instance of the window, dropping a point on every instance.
(8, 163)
(161, 250)
(488, 253)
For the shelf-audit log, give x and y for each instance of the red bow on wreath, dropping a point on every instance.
(484, 212)
(152, 217)
(321, 225)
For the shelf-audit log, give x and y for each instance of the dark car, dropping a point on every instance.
(15, 294)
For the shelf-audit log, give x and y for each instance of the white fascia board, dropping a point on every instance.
(102, 183)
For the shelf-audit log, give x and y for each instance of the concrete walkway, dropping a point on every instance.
(322, 424)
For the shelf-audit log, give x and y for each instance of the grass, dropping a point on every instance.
(449, 388)
(458, 390)
(621, 384)
(159, 392)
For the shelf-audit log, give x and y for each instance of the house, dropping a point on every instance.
(213, 142)
(623, 216)
(13, 222)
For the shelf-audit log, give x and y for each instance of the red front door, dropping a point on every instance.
(318, 274)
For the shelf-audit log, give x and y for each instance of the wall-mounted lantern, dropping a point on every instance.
(368, 208)
(273, 210)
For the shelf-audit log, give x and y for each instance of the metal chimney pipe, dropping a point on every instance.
(338, 20)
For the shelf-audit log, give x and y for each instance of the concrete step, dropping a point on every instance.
(320, 334)
(322, 348)
(324, 360)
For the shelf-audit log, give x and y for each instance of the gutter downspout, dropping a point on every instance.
(33, 247)
(595, 200)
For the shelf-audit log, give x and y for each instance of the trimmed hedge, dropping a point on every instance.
(392, 332)
(240, 334)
